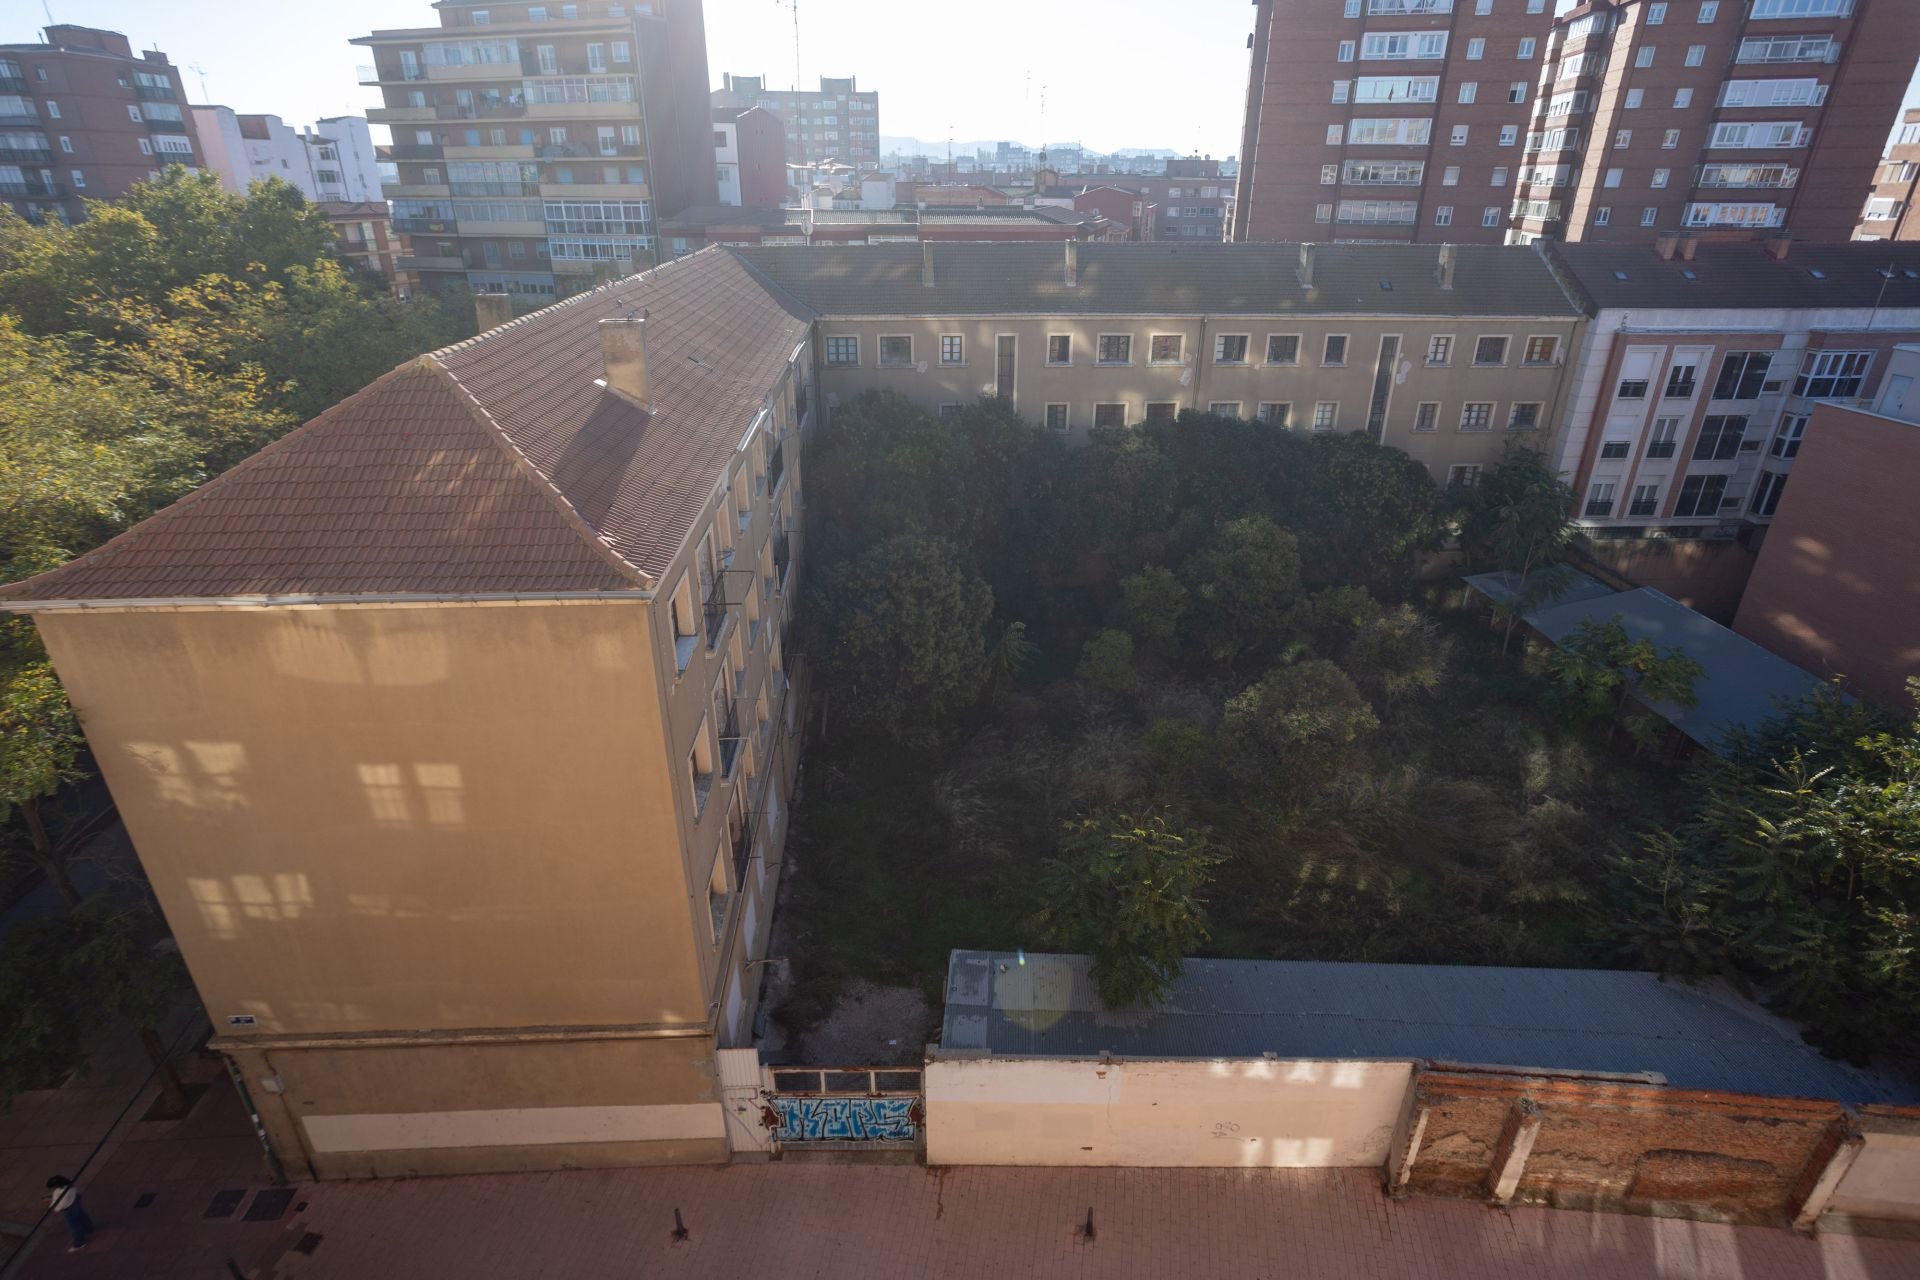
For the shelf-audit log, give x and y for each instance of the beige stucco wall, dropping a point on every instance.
(1196, 382)
(1250, 1113)
(1884, 1181)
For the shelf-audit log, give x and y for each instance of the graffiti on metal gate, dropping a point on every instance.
(846, 1119)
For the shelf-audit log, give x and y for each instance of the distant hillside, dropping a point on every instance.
(919, 146)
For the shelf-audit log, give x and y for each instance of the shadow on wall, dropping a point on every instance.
(1706, 576)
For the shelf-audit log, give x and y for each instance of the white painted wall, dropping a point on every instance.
(1246, 1113)
(1884, 1181)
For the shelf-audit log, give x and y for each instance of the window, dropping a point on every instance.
(1599, 500)
(953, 349)
(1615, 450)
(1323, 213)
(1490, 216)
(1476, 50)
(843, 351)
(622, 51)
(1766, 496)
(1426, 415)
(1700, 496)
(1632, 389)
(146, 148)
(1742, 375)
(1114, 348)
(1460, 135)
(1277, 413)
(1524, 416)
(1786, 444)
(1517, 91)
(896, 352)
(133, 113)
(1696, 54)
(1665, 438)
(1443, 215)
(1329, 175)
(479, 17)
(1656, 14)
(1832, 375)
(1440, 349)
(1680, 381)
(1334, 352)
(1646, 500)
(1542, 350)
(1161, 411)
(1720, 437)
(1635, 97)
(1389, 131)
(1346, 51)
(79, 179)
(1110, 415)
(1801, 8)
(1499, 176)
(1463, 475)
(1059, 348)
(1057, 415)
(53, 109)
(1481, 8)
(596, 57)
(1476, 415)
(1671, 140)
(1341, 89)
(1661, 177)
(1283, 348)
(1334, 134)
(1509, 134)
(1602, 215)
(1450, 176)
(1623, 138)
(549, 63)
(1643, 56)
(1525, 52)
(537, 13)
(1164, 348)
(1613, 177)
(1709, 10)
(1490, 351)
(1230, 348)
(1683, 97)
(1469, 89)
(1326, 414)
(1224, 408)
(1397, 89)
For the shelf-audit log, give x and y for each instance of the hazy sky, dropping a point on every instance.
(1121, 73)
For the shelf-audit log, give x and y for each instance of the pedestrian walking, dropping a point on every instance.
(65, 1199)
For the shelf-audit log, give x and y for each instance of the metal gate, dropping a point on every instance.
(829, 1107)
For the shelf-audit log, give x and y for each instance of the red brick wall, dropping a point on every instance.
(1617, 1146)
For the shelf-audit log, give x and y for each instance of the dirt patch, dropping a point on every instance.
(870, 1026)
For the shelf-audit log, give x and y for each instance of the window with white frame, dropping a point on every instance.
(1161, 411)
(1278, 413)
(1469, 90)
(1450, 176)
(843, 351)
(953, 349)
(1645, 501)
(1670, 140)
(1334, 133)
(1801, 9)
(1623, 138)
(1541, 349)
(1224, 408)
(1165, 348)
(1058, 415)
(1490, 216)
(896, 351)
(1346, 51)
(1524, 415)
(1786, 442)
(1490, 350)
(1391, 45)
(1397, 213)
(1323, 213)
(1463, 475)
(1389, 131)
(1110, 414)
(1787, 49)
(1114, 348)
(1656, 14)
(1443, 215)
(1763, 134)
(1460, 135)
(1832, 375)
(1426, 416)
(1800, 92)
(1059, 348)
(1329, 176)
(1333, 352)
(1499, 176)
(1709, 10)
(1661, 177)
(1599, 500)
(1283, 348)
(1613, 177)
(1476, 49)
(1383, 173)
(1396, 89)
(1635, 97)
(1230, 348)
(1440, 350)
(1326, 415)
(1476, 415)
(1509, 134)
(1649, 215)
(1525, 51)
(1340, 90)
(1602, 215)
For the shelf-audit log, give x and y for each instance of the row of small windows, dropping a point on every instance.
(1475, 415)
(1282, 349)
(1699, 497)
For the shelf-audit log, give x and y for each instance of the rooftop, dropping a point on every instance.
(498, 466)
(1164, 279)
(1744, 276)
(1591, 1020)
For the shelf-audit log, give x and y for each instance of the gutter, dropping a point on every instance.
(319, 601)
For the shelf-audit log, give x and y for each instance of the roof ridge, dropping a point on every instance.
(541, 480)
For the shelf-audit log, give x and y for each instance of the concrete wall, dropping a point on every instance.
(1884, 1182)
(1246, 1113)
(1704, 574)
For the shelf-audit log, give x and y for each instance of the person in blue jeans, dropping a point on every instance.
(65, 1199)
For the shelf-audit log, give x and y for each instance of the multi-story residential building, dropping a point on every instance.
(1397, 120)
(750, 157)
(1724, 116)
(1452, 354)
(748, 226)
(84, 117)
(1890, 214)
(536, 145)
(364, 236)
(1191, 208)
(345, 165)
(1135, 216)
(455, 732)
(838, 123)
(1702, 364)
(335, 162)
(1834, 588)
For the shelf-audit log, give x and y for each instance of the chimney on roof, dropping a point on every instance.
(1306, 266)
(1665, 244)
(1778, 246)
(492, 310)
(1073, 263)
(623, 350)
(1689, 246)
(1444, 273)
(926, 263)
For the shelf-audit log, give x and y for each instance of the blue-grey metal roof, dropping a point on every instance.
(1596, 1020)
(1743, 684)
(1572, 585)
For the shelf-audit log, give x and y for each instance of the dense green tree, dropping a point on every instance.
(1519, 520)
(1155, 602)
(1294, 726)
(905, 635)
(1246, 582)
(1365, 515)
(1599, 668)
(1106, 662)
(1396, 652)
(1128, 891)
(39, 750)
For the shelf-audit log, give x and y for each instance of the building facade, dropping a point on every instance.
(1889, 213)
(537, 145)
(364, 236)
(1702, 365)
(1733, 119)
(461, 768)
(82, 117)
(1394, 120)
(750, 157)
(334, 161)
(1830, 590)
(840, 122)
(1451, 354)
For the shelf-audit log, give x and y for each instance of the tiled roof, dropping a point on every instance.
(1744, 276)
(1162, 279)
(496, 466)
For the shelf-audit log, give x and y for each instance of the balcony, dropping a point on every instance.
(19, 117)
(1661, 449)
(25, 155)
(777, 468)
(589, 150)
(714, 613)
(730, 739)
(782, 558)
(13, 84)
(430, 262)
(155, 92)
(427, 226)
(403, 115)
(164, 126)
(416, 151)
(33, 190)
(490, 109)
(494, 188)
(414, 190)
(741, 838)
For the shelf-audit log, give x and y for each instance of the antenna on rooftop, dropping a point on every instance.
(200, 71)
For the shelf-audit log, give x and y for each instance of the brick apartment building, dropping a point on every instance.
(84, 117)
(1702, 364)
(1834, 588)
(1190, 202)
(750, 157)
(537, 145)
(363, 234)
(1397, 120)
(1720, 116)
(1889, 213)
(840, 122)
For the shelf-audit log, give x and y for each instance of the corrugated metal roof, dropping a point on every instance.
(1745, 276)
(1596, 1020)
(1573, 586)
